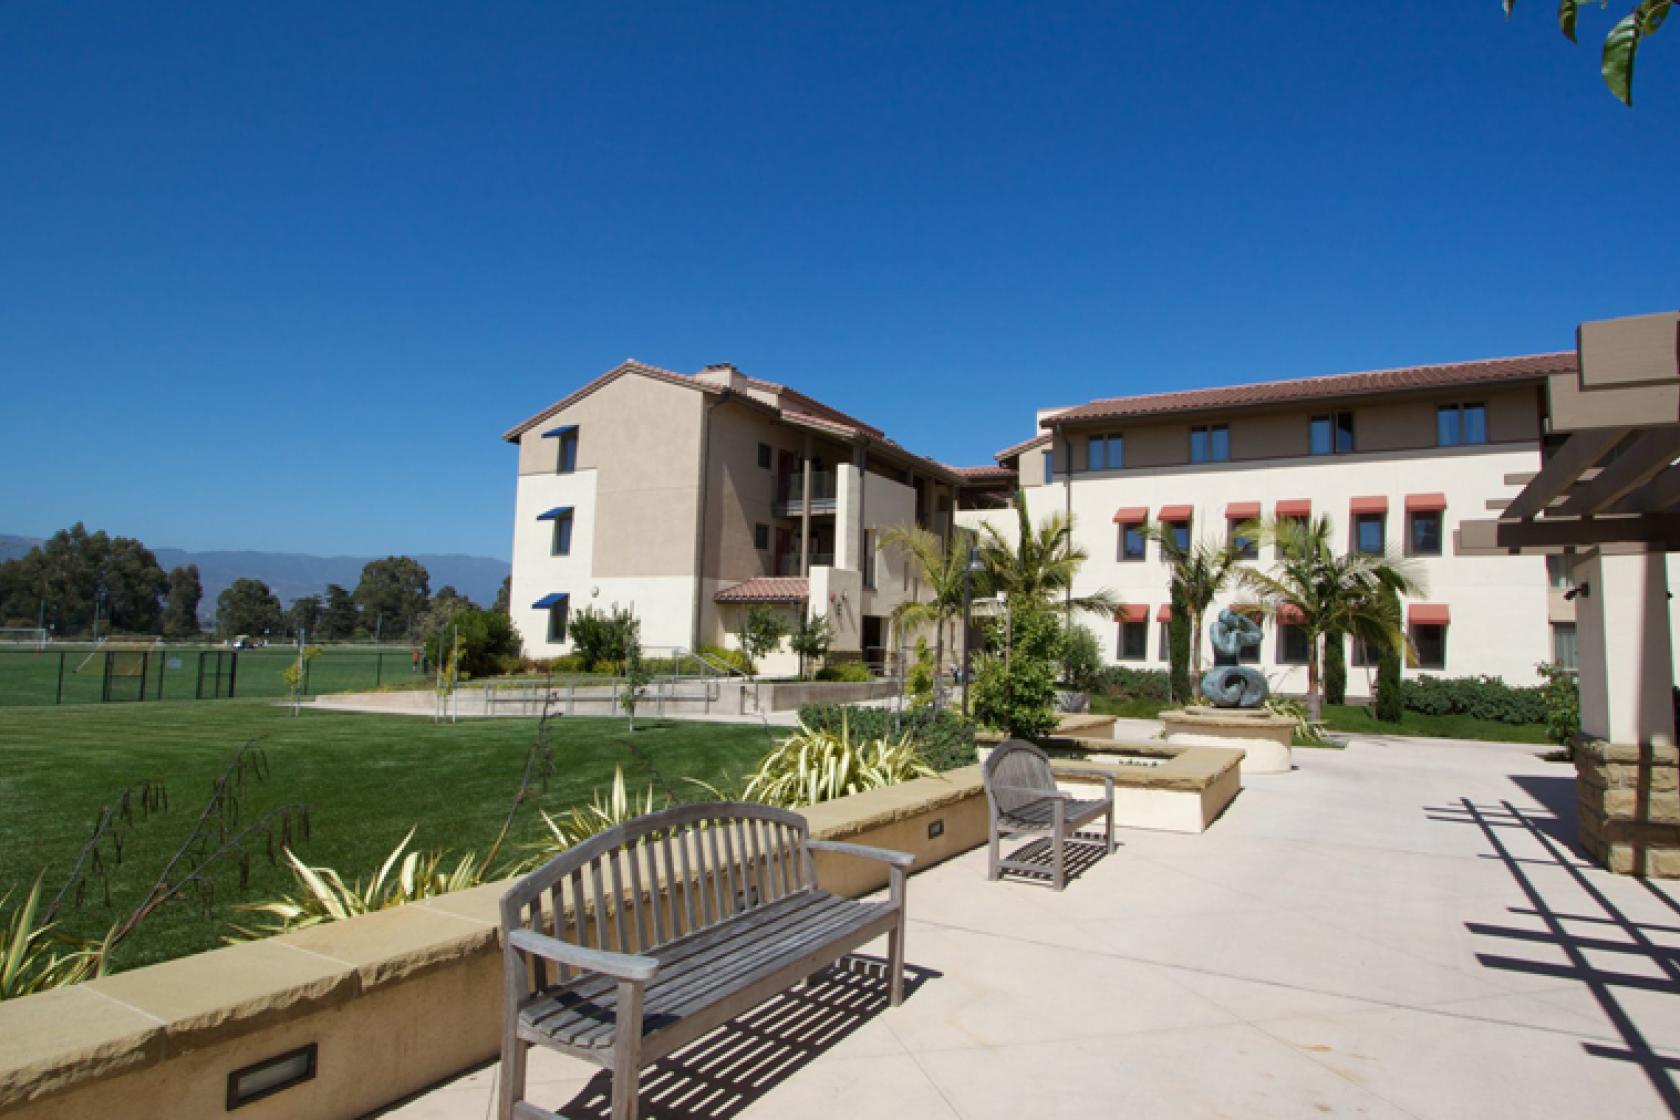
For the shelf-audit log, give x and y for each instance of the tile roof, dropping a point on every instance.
(629, 365)
(766, 589)
(982, 474)
(1024, 445)
(1526, 368)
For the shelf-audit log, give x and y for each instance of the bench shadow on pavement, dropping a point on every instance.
(719, 1075)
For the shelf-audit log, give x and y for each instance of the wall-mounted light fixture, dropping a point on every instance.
(1584, 590)
(270, 1076)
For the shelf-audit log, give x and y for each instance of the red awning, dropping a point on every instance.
(1295, 507)
(1164, 614)
(1427, 614)
(1289, 614)
(1375, 504)
(1425, 503)
(1176, 513)
(1131, 515)
(1132, 612)
(1242, 511)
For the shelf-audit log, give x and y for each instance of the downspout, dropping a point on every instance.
(805, 511)
(698, 566)
(1067, 512)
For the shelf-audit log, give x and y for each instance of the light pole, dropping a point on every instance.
(970, 569)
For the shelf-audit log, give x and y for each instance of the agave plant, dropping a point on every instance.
(580, 822)
(324, 896)
(1308, 731)
(811, 766)
(35, 957)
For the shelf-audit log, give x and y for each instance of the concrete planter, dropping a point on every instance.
(1263, 738)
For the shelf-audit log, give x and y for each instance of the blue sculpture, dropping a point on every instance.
(1228, 684)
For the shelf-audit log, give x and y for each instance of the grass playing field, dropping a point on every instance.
(365, 778)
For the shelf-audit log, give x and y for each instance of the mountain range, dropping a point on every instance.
(291, 575)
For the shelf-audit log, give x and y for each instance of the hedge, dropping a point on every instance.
(1480, 697)
(1139, 684)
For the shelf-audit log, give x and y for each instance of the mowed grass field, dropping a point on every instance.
(28, 678)
(365, 778)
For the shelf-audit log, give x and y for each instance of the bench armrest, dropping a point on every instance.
(1085, 776)
(622, 966)
(862, 851)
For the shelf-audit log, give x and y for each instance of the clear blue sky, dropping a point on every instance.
(277, 276)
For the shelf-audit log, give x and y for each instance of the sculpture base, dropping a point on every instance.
(1263, 738)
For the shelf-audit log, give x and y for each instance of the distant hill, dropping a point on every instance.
(291, 575)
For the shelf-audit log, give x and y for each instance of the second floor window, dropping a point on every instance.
(764, 456)
(761, 537)
(1131, 542)
(1049, 467)
(1105, 453)
(1426, 533)
(1368, 534)
(1458, 424)
(1332, 434)
(568, 451)
(1210, 444)
(561, 545)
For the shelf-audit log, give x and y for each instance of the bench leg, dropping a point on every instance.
(627, 1051)
(511, 1089)
(992, 851)
(1058, 844)
(1111, 826)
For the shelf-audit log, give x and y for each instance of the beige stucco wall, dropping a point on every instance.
(741, 494)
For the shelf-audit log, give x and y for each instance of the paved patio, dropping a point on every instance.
(1400, 929)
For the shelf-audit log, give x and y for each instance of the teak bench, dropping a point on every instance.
(667, 927)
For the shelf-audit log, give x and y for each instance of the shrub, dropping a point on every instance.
(1126, 683)
(850, 672)
(945, 738)
(34, 956)
(603, 640)
(1016, 691)
(919, 681)
(1482, 697)
(810, 640)
(762, 631)
(1308, 732)
(1561, 695)
(812, 766)
(1178, 647)
(1390, 704)
(489, 645)
(1081, 659)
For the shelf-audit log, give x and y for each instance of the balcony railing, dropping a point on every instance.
(788, 565)
(790, 493)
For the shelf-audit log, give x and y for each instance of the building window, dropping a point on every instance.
(761, 537)
(1105, 453)
(1425, 537)
(764, 456)
(1430, 642)
(1363, 655)
(1049, 467)
(1134, 641)
(562, 543)
(1180, 531)
(1165, 651)
(1131, 542)
(1332, 433)
(568, 452)
(1246, 545)
(557, 622)
(1457, 424)
(1368, 533)
(1292, 644)
(1558, 569)
(1564, 652)
(1210, 443)
(1250, 654)
(869, 558)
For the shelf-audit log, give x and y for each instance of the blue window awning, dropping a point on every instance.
(552, 599)
(556, 512)
(560, 431)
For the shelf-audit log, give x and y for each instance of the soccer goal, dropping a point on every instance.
(32, 636)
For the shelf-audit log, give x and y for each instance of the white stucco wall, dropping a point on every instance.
(1498, 604)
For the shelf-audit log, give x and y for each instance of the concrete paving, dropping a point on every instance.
(1400, 929)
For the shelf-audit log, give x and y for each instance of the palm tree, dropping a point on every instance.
(939, 567)
(1038, 568)
(1198, 573)
(1330, 593)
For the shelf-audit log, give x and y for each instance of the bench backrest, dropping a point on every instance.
(663, 876)
(1016, 774)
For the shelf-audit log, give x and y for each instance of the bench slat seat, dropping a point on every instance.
(638, 941)
(1040, 815)
(694, 971)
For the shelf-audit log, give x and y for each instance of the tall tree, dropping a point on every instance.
(939, 569)
(1197, 573)
(247, 606)
(304, 616)
(76, 574)
(339, 617)
(1040, 564)
(446, 606)
(1331, 593)
(504, 597)
(392, 594)
(1621, 45)
(180, 612)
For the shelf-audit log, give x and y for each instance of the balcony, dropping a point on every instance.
(788, 565)
(790, 493)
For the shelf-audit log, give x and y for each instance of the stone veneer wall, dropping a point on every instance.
(1630, 806)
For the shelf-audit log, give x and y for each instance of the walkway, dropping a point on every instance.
(1401, 929)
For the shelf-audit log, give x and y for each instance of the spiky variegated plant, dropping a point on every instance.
(323, 895)
(35, 956)
(811, 766)
(580, 822)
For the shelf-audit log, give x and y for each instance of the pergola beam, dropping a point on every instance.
(1658, 529)
(1560, 472)
(1651, 453)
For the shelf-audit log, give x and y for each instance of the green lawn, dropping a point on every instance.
(365, 778)
(1353, 718)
